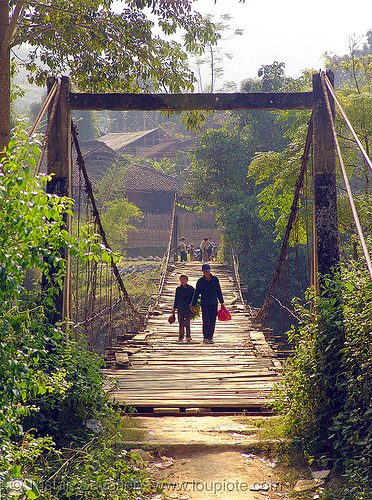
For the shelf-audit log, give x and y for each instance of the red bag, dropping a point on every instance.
(172, 319)
(223, 314)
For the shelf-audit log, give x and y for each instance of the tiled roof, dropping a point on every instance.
(118, 141)
(137, 177)
(95, 170)
(167, 147)
(149, 179)
(88, 147)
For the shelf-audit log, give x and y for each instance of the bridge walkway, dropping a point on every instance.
(160, 375)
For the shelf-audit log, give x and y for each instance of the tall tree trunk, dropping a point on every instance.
(4, 78)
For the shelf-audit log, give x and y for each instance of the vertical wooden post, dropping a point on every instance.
(4, 78)
(331, 338)
(324, 173)
(59, 164)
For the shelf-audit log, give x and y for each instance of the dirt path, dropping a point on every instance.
(209, 458)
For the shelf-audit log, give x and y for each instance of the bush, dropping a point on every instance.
(49, 384)
(309, 376)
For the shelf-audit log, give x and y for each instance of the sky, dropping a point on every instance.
(291, 31)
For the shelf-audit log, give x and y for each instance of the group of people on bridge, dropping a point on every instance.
(207, 250)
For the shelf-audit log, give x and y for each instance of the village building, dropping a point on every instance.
(175, 150)
(151, 190)
(134, 143)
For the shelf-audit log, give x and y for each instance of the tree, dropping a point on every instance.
(354, 73)
(268, 130)
(219, 167)
(104, 50)
(117, 211)
(213, 56)
(100, 49)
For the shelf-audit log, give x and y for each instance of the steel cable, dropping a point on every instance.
(344, 173)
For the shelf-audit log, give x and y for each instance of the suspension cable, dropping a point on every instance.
(235, 262)
(346, 180)
(89, 191)
(167, 257)
(333, 93)
(43, 108)
(292, 217)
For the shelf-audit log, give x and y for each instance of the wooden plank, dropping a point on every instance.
(168, 374)
(122, 358)
(184, 102)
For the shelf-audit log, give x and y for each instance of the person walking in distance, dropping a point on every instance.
(210, 248)
(192, 252)
(182, 301)
(182, 248)
(208, 287)
(204, 245)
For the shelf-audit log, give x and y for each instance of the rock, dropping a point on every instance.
(320, 474)
(307, 484)
(145, 455)
(166, 462)
(95, 426)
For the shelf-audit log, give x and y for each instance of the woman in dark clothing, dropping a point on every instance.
(182, 301)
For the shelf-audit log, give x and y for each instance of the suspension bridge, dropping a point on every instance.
(149, 369)
(153, 372)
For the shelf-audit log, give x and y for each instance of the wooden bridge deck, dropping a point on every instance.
(236, 373)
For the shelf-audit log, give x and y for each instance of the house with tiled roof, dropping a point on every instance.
(134, 143)
(172, 149)
(145, 186)
(151, 190)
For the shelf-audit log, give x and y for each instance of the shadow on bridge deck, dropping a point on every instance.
(234, 374)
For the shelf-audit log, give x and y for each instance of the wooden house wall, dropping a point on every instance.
(155, 202)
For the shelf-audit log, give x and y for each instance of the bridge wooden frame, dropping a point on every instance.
(326, 251)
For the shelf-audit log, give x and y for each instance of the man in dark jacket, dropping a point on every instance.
(209, 288)
(182, 301)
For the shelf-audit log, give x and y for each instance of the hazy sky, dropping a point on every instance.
(291, 31)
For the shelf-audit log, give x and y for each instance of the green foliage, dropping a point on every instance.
(270, 130)
(104, 50)
(116, 210)
(166, 166)
(253, 240)
(353, 73)
(64, 413)
(116, 218)
(219, 167)
(49, 385)
(196, 313)
(276, 196)
(31, 233)
(309, 377)
(253, 243)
